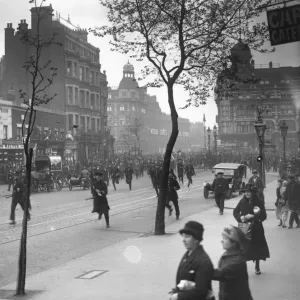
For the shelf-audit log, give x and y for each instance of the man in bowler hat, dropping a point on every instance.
(257, 182)
(195, 268)
(220, 187)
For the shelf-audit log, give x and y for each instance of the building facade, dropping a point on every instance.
(197, 136)
(272, 88)
(136, 120)
(80, 86)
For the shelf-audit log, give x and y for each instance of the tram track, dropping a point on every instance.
(69, 209)
(13, 234)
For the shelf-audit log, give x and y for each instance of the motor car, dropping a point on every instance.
(234, 173)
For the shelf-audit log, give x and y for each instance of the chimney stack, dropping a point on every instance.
(23, 26)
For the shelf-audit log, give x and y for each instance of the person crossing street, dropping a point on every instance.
(18, 197)
(190, 172)
(180, 169)
(114, 175)
(172, 196)
(100, 200)
(128, 175)
(220, 187)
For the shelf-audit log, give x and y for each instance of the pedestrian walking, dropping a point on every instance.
(195, 271)
(278, 202)
(256, 181)
(128, 175)
(250, 212)
(190, 172)
(115, 175)
(284, 204)
(292, 197)
(100, 200)
(180, 170)
(220, 187)
(10, 178)
(18, 197)
(172, 196)
(232, 267)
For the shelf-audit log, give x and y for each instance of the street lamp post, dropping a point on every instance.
(208, 135)
(298, 135)
(215, 137)
(284, 128)
(260, 129)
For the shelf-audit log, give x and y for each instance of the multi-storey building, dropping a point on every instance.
(277, 88)
(130, 105)
(80, 86)
(197, 136)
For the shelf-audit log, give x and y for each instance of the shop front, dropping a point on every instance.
(71, 151)
(48, 147)
(11, 152)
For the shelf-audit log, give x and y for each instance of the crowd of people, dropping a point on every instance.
(242, 243)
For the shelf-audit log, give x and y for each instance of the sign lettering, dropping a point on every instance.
(284, 25)
(11, 146)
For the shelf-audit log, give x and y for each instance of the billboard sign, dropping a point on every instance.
(284, 25)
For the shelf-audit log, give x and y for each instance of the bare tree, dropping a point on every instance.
(125, 139)
(42, 75)
(186, 42)
(134, 127)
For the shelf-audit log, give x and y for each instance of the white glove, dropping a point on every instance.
(186, 285)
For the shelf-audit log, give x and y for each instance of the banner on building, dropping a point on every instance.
(284, 25)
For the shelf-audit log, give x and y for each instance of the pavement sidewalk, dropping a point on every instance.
(144, 267)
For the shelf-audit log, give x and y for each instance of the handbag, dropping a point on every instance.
(246, 228)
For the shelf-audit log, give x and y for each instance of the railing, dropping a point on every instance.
(263, 66)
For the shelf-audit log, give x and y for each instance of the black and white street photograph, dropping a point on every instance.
(149, 149)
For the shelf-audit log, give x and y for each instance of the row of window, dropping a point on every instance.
(45, 131)
(82, 51)
(85, 122)
(122, 108)
(84, 98)
(82, 73)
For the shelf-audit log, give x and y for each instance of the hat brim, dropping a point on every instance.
(189, 232)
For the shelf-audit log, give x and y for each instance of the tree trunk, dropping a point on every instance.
(23, 243)
(163, 188)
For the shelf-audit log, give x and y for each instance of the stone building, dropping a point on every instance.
(80, 85)
(129, 106)
(241, 88)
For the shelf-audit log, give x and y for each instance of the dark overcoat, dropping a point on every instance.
(100, 202)
(258, 248)
(259, 184)
(173, 187)
(233, 276)
(18, 195)
(196, 267)
(128, 174)
(292, 195)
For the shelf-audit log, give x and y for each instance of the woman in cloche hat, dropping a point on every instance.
(194, 274)
(232, 268)
(250, 212)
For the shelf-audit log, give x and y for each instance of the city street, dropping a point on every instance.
(62, 227)
(58, 257)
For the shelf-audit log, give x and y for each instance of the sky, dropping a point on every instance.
(90, 14)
